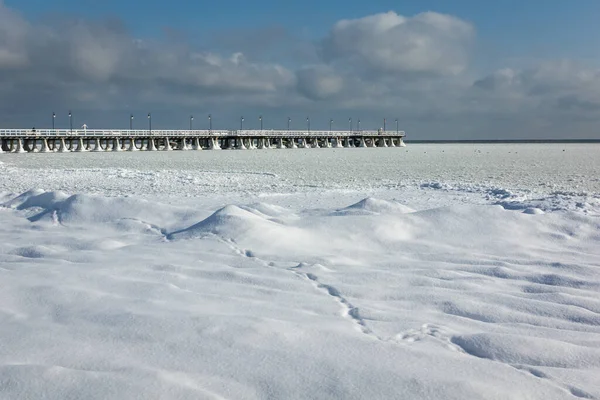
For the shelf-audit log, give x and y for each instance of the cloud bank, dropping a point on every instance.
(416, 68)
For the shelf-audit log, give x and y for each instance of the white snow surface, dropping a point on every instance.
(431, 272)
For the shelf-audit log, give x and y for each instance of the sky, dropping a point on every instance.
(460, 69)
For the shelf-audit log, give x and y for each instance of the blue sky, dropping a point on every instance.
(511, 25)
(517, 47)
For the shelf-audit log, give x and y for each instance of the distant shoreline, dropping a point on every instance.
(529, 141)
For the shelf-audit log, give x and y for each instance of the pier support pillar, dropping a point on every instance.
(116, 144)
(30, 147)
(213, 144)
(63, 146)
(167, 145)
(97, 145)
(20, 148)
(401, 143)
(196, 144)
(392, 144)
(151, 145)
(182, 145)
(382, 143)
(316, 145)
(362, 142)
(280, 143)
(132, 145)
(294, 145)
(240, 144)
(80, 147)
(44, 148)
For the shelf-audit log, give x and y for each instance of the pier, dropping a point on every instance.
(82, 140)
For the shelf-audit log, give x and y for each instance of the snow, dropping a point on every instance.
(462, 271)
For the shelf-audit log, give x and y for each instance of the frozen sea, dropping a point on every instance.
(463, 271)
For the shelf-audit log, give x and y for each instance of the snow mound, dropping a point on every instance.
(372, 205)
(77, 209)
(269, 210)
(229, 221)
(34, 252)
(533, 351)
(83, 210)
(533, 211)
(36, 198)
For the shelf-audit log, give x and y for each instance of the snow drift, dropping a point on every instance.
(123, 297)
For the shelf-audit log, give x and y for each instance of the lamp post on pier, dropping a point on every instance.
(191, 121)
(241, 123)
(209, 122)
(350, 122)
(308, 123)
(384, 124)
(261, 122)
(131, 122)
(396, 125)
(358, 124)
(330, 124)
(289, 121)
(71, 121)
(53, 120)
(150, 123)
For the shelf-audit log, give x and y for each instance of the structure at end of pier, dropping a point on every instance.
(81, 140)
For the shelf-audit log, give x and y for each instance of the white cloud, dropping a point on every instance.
(319, 82)
(12, 59)
(82, 57)
(559, 86)
(391, 43)
(13, 32)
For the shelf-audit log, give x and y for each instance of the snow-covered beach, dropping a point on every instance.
(430, 272)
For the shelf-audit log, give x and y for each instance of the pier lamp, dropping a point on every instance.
(150, 123)
(289, 120)
(358, 124)
(209, 122)
(261, 124)
(53, 120)
(396, 125)
(384, 124)
(131, 122)
(71, 121)
(350, 123)
(308, 123)
(241, 123)
(191, 119)
(330, 124)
